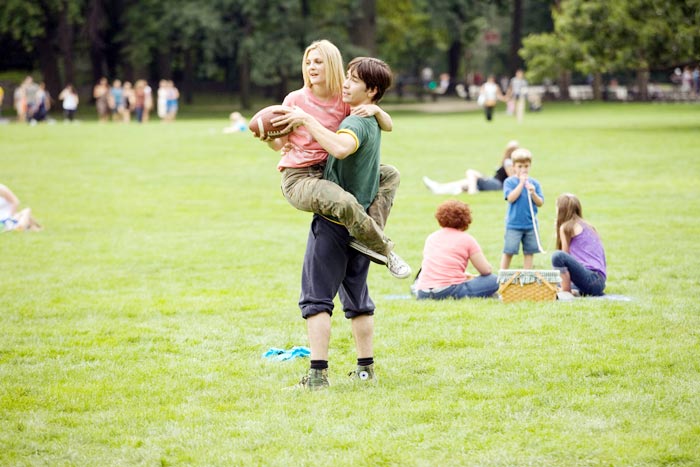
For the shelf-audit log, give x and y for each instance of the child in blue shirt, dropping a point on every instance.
(521, 219)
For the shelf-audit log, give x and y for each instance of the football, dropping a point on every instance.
(261, 125)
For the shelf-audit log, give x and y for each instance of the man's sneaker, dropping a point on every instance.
(397, 266)
(314, 380)
(364, 374)
(365, 250)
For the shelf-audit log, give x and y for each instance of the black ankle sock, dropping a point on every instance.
(319, 364)
(365, 361)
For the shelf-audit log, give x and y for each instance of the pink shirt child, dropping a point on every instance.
(445, 258)
(305, 150)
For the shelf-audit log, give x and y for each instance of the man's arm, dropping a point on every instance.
(340, 145)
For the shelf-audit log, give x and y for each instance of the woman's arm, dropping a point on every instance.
(481, 264)
(383, 118)
(341, 145)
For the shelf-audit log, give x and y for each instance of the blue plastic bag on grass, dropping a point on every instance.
(282, 355)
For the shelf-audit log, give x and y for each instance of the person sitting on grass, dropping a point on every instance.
(446, 254)
(475, 181)
(580, 256)
(13, 219)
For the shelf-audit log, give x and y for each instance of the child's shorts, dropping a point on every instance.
(514, 237)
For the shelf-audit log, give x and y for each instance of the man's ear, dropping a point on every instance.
(371, 92)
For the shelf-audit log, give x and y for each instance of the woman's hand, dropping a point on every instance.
(365, 110)
(291, 118)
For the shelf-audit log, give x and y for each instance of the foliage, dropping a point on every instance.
(405, 34)
(615, 35)
(133, 325)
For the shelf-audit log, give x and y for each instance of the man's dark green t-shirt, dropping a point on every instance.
(359, 172)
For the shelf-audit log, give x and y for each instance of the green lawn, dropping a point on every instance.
(133, 326)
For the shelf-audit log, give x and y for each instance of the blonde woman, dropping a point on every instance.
(303, 158)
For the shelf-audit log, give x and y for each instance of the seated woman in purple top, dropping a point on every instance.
(580, 255)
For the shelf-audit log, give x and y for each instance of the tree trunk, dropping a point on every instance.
(363, 27)
(49, 63)
(564, 82)
(97, 60)
(65, 40)
(454, 59)
(598, 86)
(165, 64)
(188, 77)
(516, 27)
(244, 79)
(643, 84)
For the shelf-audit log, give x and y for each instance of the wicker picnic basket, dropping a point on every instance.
(528, 284)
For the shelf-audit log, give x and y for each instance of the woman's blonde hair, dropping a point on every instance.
(333, 60)
(510, 147)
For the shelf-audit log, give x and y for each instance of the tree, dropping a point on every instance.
(36, 26)
(516, 27)
(606, 36)
(363, 26)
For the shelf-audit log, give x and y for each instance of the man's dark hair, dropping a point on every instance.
(375, 73)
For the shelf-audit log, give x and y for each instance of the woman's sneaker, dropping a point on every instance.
(397, 266)
(368, 252)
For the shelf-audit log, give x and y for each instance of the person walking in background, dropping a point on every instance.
(31, 89)
(139, 99)
(69, 100)
(524, 196)
(162, 99)
(171, 103)
(147, 102)
(42, 104)
(517, 95)
(20, 101)
(128, 101)
(475, 181)
(489, 95)
(101, 95)
(580, 256)
(116, 99)
(11, 217)
(446, 255)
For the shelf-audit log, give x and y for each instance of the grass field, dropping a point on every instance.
(133, 326)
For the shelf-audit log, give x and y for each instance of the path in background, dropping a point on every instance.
(442, 105)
